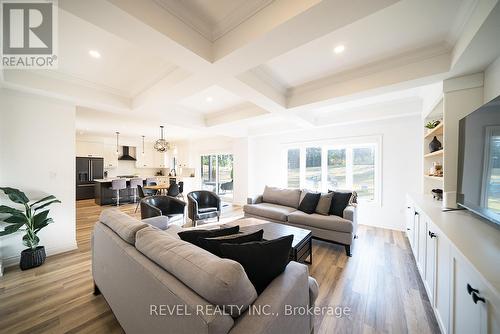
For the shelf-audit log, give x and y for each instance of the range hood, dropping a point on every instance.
(128, 153)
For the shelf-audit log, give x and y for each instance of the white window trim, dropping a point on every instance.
(336, 143)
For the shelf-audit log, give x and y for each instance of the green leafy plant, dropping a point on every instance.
(432, 124)
(31, 220)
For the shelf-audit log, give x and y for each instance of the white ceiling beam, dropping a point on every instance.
(234, 115)
(402, 72)
(29, 81)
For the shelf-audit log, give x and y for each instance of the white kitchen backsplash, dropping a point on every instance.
(128, 168)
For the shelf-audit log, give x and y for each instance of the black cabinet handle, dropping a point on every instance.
(416, 213)
(408, 229)
(432, 234)
(476, 298)
(470, 289)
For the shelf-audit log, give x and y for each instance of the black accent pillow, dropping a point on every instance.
(194, 236)
(263, 261)
(213, 244)
(340, 201)
(309, 202)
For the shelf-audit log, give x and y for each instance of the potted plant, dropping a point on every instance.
(432, 124)
(32, 219)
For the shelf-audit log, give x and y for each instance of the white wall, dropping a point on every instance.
(401, 163)
(37, 139)
(492, 81)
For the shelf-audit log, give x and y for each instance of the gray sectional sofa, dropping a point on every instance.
(156, 283)
(280, 206)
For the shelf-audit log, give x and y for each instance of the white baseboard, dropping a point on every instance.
(14, 260)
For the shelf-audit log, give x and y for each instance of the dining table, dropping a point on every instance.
(161, 188)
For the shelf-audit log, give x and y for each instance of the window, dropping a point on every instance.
(363, 172)
(293, 168)
(313, 168)
(330, 167)
(337, 172)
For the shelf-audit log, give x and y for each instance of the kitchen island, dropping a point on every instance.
(104, 195)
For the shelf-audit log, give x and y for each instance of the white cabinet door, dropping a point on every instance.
(443, 280)
(160, 160)
(110, 157)
(410, 221)
(469, 315)
(422, 242)
(145, 160)
(430, 260)
(89, 149)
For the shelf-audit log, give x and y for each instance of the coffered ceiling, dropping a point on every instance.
(239, 68)
(213, 19)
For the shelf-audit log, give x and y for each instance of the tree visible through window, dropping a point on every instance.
(313, 168)
(337, 177)
(363, 172)
(326, 168)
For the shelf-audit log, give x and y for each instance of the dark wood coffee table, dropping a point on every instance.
(302, 238)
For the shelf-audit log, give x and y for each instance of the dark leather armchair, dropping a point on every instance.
(203, 204)
(153, 206)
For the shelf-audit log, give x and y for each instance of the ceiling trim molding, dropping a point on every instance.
(212, 31)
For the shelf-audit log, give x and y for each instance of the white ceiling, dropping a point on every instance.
(405, 26)
(211, 100)
(123, 68)
(273, 68)
(214, 18)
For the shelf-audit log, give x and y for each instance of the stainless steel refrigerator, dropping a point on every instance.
(87, 170)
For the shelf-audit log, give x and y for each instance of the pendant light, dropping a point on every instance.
(117, 142)
(142, 145)
(161, 145)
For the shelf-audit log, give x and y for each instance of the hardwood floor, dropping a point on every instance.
(379, 284)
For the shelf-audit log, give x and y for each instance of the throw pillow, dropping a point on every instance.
(323, 207)
(263, 261)
(340, 201)
(194, 236)
(213, 244)
(309, 203)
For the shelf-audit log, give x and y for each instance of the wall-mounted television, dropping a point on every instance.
(479, 161)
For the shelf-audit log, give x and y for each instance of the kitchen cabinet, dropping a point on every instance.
(110, 157)
(146, 159)
(152, 159)
(89, 149)
(462, 299)
(160, 160)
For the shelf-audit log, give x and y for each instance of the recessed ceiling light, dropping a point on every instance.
(94, 54)
(209, 99)
(339, 49)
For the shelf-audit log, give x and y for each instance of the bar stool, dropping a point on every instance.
(117, 185)
(133, 185)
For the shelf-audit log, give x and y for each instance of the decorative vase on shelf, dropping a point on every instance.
(434, 145)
